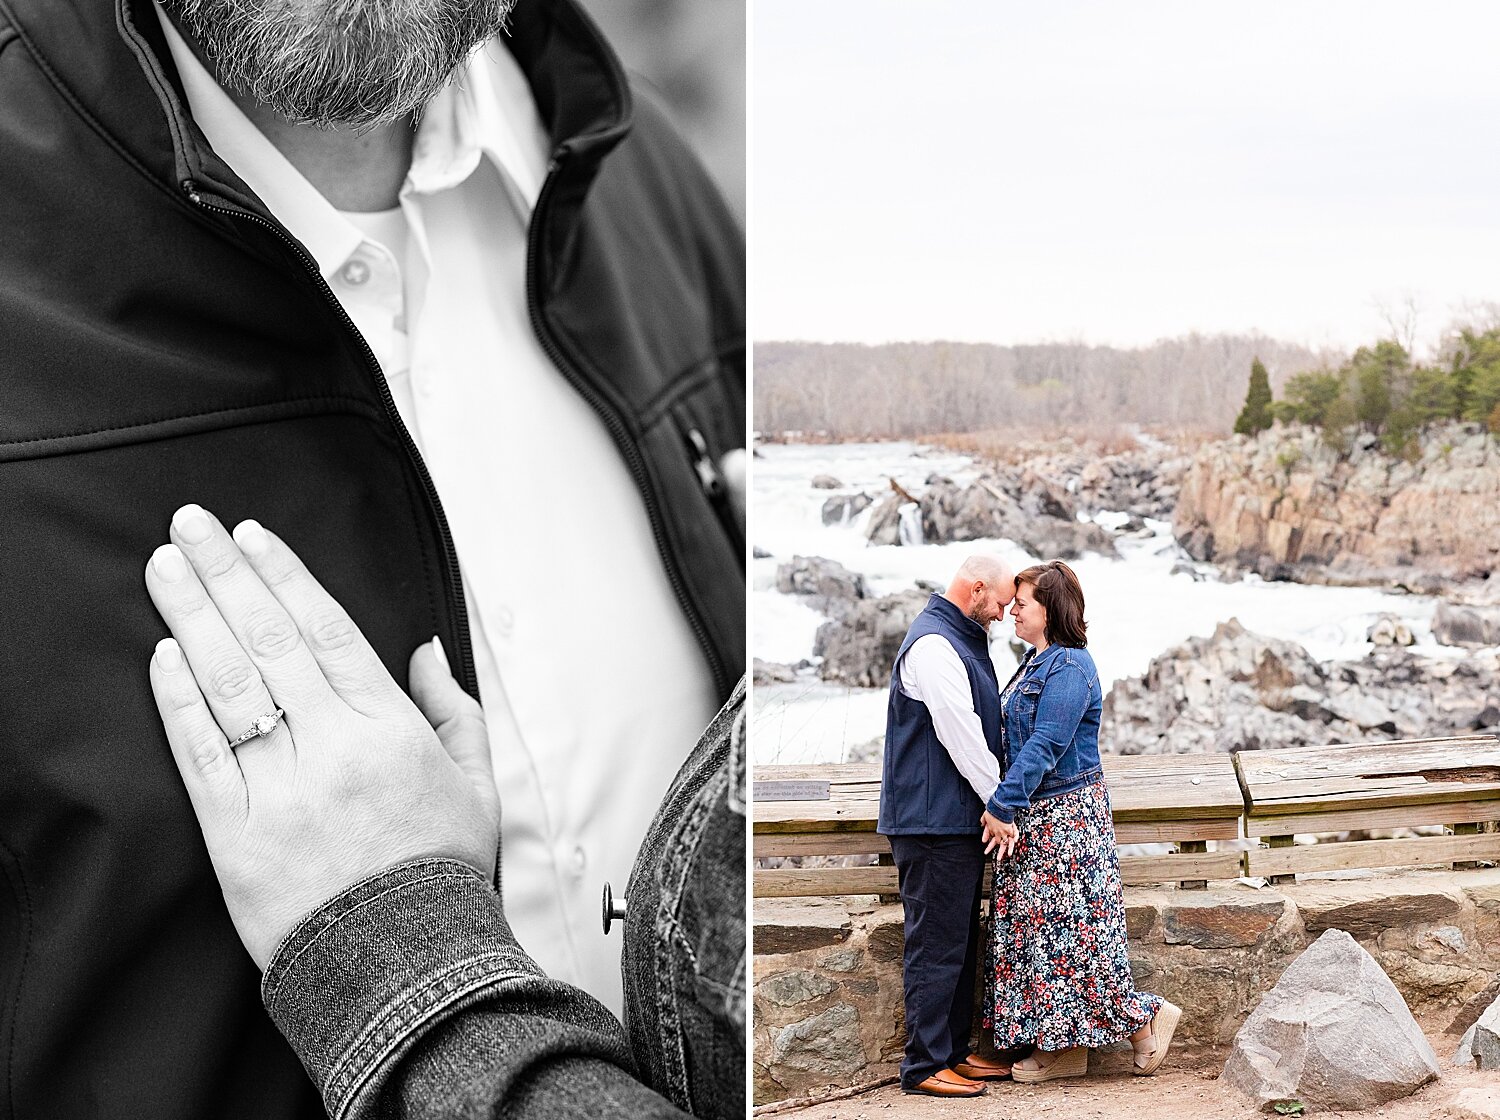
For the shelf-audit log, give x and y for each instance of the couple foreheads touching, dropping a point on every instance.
(971, 769)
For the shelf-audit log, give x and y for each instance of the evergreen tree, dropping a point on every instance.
(1311, 395)
(1256, 415)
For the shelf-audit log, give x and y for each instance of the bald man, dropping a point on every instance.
(942, 763)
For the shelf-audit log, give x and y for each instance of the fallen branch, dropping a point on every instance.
(902, 492)
(826, 1095)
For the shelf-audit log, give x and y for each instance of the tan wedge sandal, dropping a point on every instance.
(1163, 1025)
(1064, 1063)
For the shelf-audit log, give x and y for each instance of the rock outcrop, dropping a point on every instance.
(843, 508)
(1021, 505)
(1289, 506)
(1334, 1033)
(859, 646)
(827, 585)
(1238, 690)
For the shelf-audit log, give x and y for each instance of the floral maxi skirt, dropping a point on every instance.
(1058, 971)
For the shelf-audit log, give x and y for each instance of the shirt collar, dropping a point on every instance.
(486, 110)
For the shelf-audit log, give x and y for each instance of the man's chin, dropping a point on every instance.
(346, 69)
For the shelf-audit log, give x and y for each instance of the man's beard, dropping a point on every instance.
(328, 63)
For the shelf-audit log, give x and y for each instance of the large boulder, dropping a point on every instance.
(844, 508)
(1334, 1033)
(1481, 1043)
(860, 646)
(826, 584)
(1473, 626)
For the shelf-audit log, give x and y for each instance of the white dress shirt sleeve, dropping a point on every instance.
(933, 673)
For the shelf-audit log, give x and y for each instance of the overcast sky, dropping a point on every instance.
(988, 170)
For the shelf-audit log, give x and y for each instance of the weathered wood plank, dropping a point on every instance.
(1405, 816)
(1150, 832)
(788, 882)
(851, 843)
(1306, 780)
(1375, 759)
(820, 844)
(1415, 852)
(1142, 787)
(835, 816)
(1180, 867)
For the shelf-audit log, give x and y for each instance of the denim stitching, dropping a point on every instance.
(277, 965)
(398, 1021)
(672, 877)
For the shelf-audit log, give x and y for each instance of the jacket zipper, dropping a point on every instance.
(459, 618)
(714, 487)
(616, 427)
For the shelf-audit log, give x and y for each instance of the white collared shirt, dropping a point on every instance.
(933, 673)
(594, 686)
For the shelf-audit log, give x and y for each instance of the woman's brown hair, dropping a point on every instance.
(1057, 589)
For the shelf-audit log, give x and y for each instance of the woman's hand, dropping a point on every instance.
(355, 779)
(999, 836)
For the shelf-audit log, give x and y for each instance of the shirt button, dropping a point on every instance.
(355, 271)
(580, 860)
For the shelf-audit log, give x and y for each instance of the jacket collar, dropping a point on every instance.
(966, 625)
(110, 62)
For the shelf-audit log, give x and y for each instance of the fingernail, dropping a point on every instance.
(441, 654)
(169, 563)
(192, 524)
(169, 655)
(251, 538)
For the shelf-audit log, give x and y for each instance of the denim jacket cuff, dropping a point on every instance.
(359, 979)
(1000, 812)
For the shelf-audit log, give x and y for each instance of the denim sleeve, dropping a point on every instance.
(407, 995)
(1059, 711)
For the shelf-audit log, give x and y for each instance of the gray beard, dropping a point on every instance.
(339, 63)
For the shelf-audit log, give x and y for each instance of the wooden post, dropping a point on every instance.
(885, 859)
(1280, 842)
(1467, 830)
(1193, 846)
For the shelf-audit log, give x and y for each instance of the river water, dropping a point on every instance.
(1136, 607)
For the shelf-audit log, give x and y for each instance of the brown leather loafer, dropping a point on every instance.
(975, 1068)
(946, 1083)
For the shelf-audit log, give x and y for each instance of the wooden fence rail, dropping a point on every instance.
(1189, 801)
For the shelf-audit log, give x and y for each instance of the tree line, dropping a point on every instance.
(902, 390)
(1383, 391)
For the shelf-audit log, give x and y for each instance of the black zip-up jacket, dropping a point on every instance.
(162, 340)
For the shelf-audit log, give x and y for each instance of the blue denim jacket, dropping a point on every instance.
(408, 995)
(1051, 729)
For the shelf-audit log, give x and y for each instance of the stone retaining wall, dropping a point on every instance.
(827, 1000)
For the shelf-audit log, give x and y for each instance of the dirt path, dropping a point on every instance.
(1171, 1095)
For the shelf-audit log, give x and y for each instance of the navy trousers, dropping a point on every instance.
(939, 881)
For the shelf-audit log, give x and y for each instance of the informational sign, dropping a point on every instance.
(791, 791)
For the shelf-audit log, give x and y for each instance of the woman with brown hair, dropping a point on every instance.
(1059, 974)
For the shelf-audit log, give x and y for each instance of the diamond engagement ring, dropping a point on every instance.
(263, 725)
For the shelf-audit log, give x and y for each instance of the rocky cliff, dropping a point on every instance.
(1238, 690)
(1287, 505)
